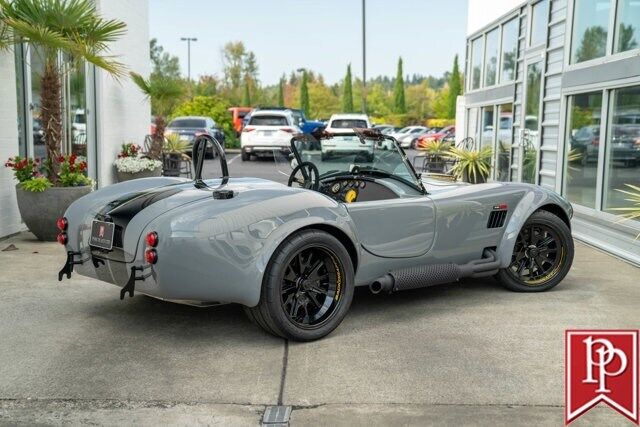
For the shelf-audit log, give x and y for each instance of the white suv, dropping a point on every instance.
(268, 131)
(346, 145)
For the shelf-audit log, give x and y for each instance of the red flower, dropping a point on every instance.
(60, 159)
(72, 159)
(82, 166)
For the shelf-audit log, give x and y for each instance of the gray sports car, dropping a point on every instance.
(292, 255)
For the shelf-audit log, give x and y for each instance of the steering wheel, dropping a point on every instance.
(310, 178)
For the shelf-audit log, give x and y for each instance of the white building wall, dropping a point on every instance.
(483, 12)
(10, 221)
(124, 114)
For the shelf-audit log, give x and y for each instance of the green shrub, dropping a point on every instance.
(210, 106)
(36, 185)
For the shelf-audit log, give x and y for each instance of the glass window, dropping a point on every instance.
(472, 123)
(583, 145)
(488, 130)
(539, 21)
(20, 92)
(77, 123)
(623, 150)
(505, 139)
(509, 51)
(491, 58)
(531, 123)
(628, 26)
(477, 47)
(590, 29)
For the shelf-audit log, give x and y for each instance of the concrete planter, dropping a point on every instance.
(126, 176)
(40, 211)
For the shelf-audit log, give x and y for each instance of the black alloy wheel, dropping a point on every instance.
(311, 287)
(307, 288)
(542, 255)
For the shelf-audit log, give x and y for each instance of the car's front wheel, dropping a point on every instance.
(307, 288)
(542, 255)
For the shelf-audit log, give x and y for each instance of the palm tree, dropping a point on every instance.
(165, 93)
(64, 32)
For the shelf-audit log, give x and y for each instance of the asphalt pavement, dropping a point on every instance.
(469, 353)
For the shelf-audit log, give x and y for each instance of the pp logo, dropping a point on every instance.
(601, 366)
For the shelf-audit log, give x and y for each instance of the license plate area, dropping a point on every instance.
(102, 234)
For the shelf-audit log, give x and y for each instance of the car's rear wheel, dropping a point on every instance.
(244, 156)
(413, 144)
(542, 255)
(307, 288)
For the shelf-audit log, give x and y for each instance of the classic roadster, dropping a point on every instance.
(292, 255)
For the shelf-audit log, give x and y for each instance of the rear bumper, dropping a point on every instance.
(264, 150)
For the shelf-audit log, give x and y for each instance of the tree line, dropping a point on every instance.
(398, 100)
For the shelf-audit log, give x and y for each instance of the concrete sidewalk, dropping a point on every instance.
(462, 354)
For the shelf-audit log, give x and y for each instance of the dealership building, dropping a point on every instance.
(553, 86)
(100, 113)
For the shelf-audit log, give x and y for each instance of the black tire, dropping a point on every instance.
(280, 296)
(546, 257)
(244, 156)
(413, 144)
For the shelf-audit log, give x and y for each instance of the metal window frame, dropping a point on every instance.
(529, 31)
(515, 18)
(607, 89)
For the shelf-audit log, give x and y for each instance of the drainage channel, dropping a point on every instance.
(278, 415)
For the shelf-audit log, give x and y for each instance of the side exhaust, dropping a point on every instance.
(435, 274)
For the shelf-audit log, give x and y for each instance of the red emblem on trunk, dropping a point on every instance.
(601, 366)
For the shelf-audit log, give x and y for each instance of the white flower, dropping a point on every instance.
(136, 164)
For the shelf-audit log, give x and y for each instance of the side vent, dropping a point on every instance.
(496, 219)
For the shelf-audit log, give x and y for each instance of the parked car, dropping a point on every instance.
(386, 129)
(344, 123)
(438, 136)
(292, 256)
(38, 133)
(408, 137)
(624, 148)
(238, 114)
(268, 132)
(78, 122)
(307, 126)
(188, 127)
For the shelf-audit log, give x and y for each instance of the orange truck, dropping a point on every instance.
(238, 114)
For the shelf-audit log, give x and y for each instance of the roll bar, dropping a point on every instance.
(199, 151)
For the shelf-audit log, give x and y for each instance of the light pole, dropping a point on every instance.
(188, 40)
(364, 60)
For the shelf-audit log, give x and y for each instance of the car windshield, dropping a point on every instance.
(348, 123)
(187, 123)
(268, 120)
(344, 154)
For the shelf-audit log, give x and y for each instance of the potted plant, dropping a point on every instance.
(633, 210)
(130, 165)
(174, 154)
(471, 166)
(39, 201)
(65, 33)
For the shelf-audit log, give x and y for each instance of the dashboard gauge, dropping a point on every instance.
(350, 196)
(363, 184)
(335, 187)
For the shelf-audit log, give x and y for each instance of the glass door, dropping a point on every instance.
(530, 134)
(75, 111)
(504, 141)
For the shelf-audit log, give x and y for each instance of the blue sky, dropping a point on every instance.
(322, 35)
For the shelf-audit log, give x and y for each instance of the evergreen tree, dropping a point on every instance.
(455, 89)
(246, 95)
(400, 106)
(304, 93)
(347, 93)
(281, 93)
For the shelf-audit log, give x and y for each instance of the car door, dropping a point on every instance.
(395, 228)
